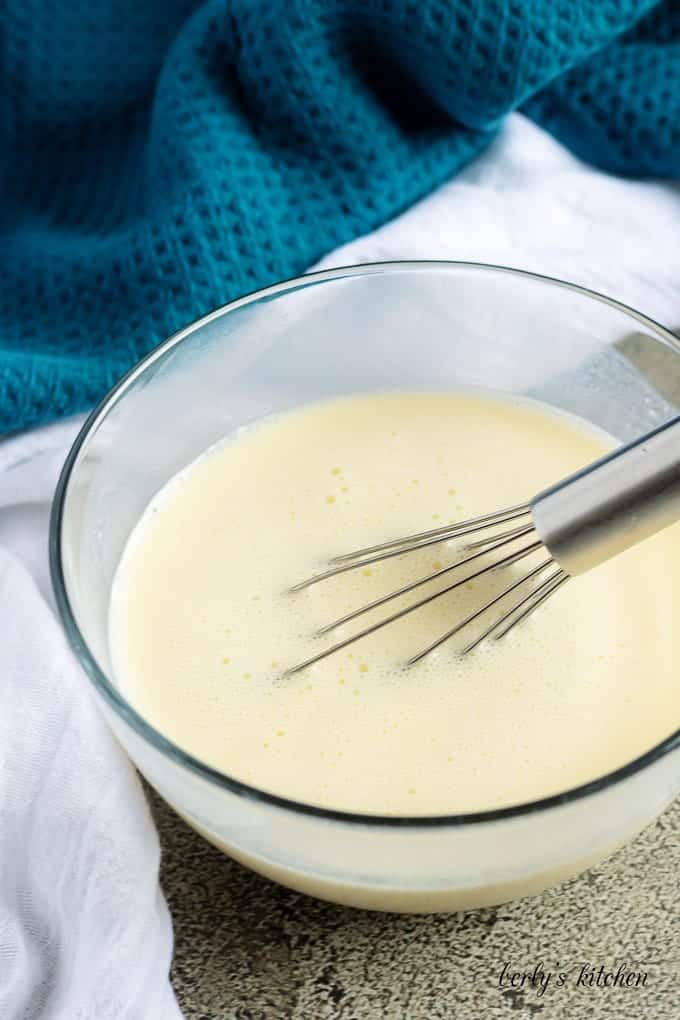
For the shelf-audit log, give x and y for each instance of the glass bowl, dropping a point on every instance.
(375, 327)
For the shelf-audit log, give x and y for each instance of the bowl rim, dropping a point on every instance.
(144, 729)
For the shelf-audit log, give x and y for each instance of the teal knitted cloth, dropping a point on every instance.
(161, 157)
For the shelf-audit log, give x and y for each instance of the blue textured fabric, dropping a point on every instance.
(160, 157)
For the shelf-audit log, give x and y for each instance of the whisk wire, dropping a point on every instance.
(504, 628)
(512, 533)
(479, 612)
(511, 558)
(445, 532)
(500, 627)
(398, 547)
(430, 577)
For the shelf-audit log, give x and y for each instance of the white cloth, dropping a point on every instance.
(84, 931)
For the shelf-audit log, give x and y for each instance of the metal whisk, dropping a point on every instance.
(579, 523)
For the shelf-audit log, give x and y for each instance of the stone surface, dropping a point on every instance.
(247, 949)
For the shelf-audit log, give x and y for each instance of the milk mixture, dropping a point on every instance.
(203, 626)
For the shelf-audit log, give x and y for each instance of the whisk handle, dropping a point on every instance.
(613, 503)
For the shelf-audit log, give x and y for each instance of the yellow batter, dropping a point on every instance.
(202, 626)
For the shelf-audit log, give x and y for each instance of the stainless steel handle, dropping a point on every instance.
(613, 503)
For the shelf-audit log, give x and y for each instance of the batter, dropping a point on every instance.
(202, 625)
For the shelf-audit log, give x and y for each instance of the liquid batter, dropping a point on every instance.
(202, 626)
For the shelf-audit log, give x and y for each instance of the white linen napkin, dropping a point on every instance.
(84, 931)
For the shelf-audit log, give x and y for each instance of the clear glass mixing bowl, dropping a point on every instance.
(374, 327)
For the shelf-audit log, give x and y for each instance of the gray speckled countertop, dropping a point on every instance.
(246, 949)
